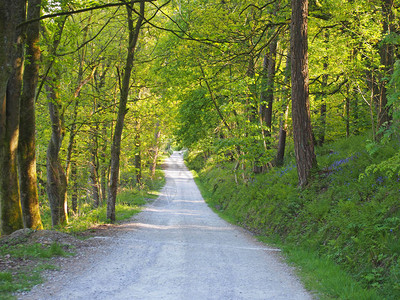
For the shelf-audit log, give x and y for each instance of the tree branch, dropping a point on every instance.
(213, 98)
(71, 12)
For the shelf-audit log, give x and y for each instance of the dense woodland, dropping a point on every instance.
(93, 91)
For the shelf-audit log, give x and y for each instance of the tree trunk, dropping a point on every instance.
(302, 132)
(322, 109)
(27, 123)
(74, 180)
(267, 95)
(116, 145)
(11, 61)
(156, 148)
(138, 157)
(347, 107)
(94, 169)
(56, 178)
(386, 52)
(104, 166)
(280, 154)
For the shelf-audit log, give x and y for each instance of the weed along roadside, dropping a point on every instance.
(341, 231)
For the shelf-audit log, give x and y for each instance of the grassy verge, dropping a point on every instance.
(320, 275)
(21, 263)
(28, 261)
(344, 227)
(130, 200)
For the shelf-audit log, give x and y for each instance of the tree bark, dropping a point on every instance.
(322, 113)
(12, 13)
(280, 154)
(56, 178)
(302, 132)
(116, 145)
(138, 156)
(27, 123)
(94, 168)
(386, 52)
(156, 148)
(267, 94)
(74, 179)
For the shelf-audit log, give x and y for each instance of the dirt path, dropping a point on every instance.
(177, 248)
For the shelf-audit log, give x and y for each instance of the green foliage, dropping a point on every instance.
(129, 203)
(22, 280)
(33, 250)
(197, 118)
(350, 219)
(26, 276)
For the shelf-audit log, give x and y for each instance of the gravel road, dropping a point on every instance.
(177, 248)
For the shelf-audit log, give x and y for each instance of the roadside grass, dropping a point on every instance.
(342, 231)
(320, 275)
(32, 259)
(37, 251)
(22, 280)
(130, 200)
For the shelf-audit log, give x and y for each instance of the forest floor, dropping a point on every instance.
(176, 248)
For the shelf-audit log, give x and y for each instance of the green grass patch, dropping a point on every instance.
(26, 251)
(322, 275)
(130, 201)
(26, 276)
(23, 280)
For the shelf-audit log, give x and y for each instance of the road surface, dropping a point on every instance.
(178, 248)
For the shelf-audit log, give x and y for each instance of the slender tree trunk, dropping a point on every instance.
(138, 156)
(56, 178)
(11, 58)
(104, 166)
(268, 97)
(280, 154)
(386, 52)
(116, 145)
(56, 186)
(347, 112)
(302, 132)
(94, 169)
(157, 135)
(74, 180)
(27, 141)
(322, 109)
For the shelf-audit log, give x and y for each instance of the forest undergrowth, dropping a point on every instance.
(342, 230)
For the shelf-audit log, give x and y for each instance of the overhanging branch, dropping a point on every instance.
(71, 12)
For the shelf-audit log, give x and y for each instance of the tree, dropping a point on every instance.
(125, 87)
(12, 13)
(386, 52)
(56, 177)
(302, 133)
(27, 123)
(283, 126)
